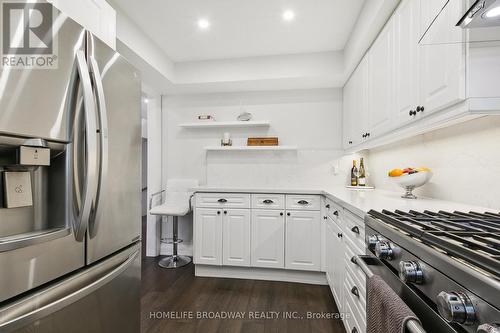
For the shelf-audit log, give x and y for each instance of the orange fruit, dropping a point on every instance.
(395, 173)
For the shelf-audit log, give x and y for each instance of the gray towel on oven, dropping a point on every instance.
(386, 312)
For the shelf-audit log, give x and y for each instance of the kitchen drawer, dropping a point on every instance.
(268, 201)
(303, 202)
(351, 283)
(352, 322)
(333, 210)
(353, 270)
(354, 232)
(359, 221)
(223, 200)
(353, 306)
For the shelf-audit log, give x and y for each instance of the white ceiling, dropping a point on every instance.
(243, 28)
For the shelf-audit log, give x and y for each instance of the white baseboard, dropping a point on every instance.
(268, 274)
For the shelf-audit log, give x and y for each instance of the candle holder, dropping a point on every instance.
(227, 143)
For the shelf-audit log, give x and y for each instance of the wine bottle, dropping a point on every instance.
(362, 173)
(354, 174)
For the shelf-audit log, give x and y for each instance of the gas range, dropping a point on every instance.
(447, 265)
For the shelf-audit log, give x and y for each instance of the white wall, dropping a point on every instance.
(310, 119)
(465, 159)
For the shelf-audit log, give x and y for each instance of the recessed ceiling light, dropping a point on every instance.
(494, 12)
(288, 15)
(203, 24)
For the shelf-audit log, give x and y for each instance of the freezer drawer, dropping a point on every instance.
(104, 298)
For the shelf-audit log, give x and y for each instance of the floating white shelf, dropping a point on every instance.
(254, 148)
(217, 124)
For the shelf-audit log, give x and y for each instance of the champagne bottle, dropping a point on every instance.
(354, 174)
(362, 173)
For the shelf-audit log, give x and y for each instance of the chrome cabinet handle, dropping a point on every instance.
(268, 201)
(336, 213)
(339, 235)
(355, 291)
(355, 229)
(85, 204)
(303, 202)
(327, 206)
(103, 158)
(222, 200)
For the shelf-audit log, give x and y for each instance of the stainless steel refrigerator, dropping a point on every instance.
(70, 191)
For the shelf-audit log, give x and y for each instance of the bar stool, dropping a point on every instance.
(177, 203)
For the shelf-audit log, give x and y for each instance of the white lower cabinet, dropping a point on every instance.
(208, 236)
(335, 264)
(303, 240)
(236, 237)
(268, 238)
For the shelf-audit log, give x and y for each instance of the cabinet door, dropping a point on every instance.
(406, 61)
(208, 236)
(381, 57)
(442, 65)
(268, 238)
(236, 237)
(303, 240)
(347, 114)
(337, 263)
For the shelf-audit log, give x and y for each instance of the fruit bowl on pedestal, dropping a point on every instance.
(410, 180)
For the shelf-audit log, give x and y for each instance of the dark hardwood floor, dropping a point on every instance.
(173, 299)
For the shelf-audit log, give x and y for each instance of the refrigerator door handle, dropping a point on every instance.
(32, 238)
(104, 144)
(54, 298)
(86, 208)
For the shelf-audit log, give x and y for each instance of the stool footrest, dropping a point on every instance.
(171, 241)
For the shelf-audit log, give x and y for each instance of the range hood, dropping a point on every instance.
(482, 14)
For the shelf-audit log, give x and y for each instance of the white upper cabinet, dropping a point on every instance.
(97, 16)
(406, 60)
(408, 78)
(381, 82)
(356, 95)
(442, 65)
(429, 9)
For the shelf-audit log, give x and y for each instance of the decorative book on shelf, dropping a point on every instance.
(267, 141)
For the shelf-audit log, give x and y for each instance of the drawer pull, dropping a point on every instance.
(268, 201)
(222, 200)
(281, 214)
(327, 206)
(336, 213)
(355, 291)
(303, 202)
(339, 235)
(354, 330)
(218, 212)
(355, 229)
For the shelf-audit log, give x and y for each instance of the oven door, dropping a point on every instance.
(424, 309)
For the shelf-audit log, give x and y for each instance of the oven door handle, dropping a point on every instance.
(413, 326)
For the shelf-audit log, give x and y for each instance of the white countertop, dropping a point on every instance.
(360, 202)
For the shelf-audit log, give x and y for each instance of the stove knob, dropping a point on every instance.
(411, 272)
(372, 240)
(488, 328)
(456, 307)
(384, 250)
